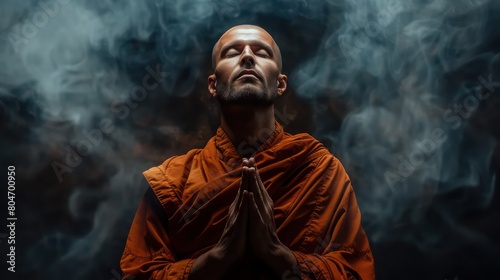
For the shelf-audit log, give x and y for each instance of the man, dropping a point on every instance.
(256, 202)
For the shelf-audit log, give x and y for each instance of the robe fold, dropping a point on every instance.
(184, 212)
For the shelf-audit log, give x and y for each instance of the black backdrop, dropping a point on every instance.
(405, 94)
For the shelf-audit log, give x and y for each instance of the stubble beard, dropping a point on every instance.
(246, 95)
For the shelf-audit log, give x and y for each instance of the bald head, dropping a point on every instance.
(245, 32)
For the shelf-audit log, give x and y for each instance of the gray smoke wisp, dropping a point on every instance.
(406, 134)
(99, 91)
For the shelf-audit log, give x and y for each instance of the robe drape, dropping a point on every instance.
(184, 212)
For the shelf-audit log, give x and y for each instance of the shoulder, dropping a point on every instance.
(167, 179)
(312, 153)
(172, 167)
(301, 146)
(306, 155)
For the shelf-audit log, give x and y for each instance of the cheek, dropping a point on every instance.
(223, 72)
(271, 72)
(271, 68)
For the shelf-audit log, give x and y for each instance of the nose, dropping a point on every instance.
(247, 57)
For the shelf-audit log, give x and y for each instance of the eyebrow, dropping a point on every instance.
(238, 43)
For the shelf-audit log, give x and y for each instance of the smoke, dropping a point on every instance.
(406, 136)
(93, 93)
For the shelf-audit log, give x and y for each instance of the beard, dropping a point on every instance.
(247, 94)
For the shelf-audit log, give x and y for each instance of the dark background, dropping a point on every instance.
(371, 79)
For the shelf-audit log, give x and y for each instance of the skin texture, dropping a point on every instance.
(247, 108)
(247, 102)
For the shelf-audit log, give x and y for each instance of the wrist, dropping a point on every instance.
(221, 256)
(210, 263)
(281, 259)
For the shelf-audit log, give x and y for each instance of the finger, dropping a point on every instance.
(242, 216)
(254, 213)
(257, 190)
(262, 188)
(244, 178)
(251, 162)
(243, 186)
(245, 162)
(252, 183)
(236, 222)
(264, 202)
(257, 194)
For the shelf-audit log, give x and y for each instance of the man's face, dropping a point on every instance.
(246, 67)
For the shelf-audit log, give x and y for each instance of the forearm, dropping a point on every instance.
(338, 265)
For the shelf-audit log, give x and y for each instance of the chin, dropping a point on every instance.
(248, 94)
(246, 99)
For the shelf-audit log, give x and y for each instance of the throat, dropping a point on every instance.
(248, 127)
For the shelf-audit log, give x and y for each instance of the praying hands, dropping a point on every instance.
(250, 230)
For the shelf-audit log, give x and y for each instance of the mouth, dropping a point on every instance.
(247, 74)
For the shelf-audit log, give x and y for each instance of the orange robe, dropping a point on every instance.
(184, 212)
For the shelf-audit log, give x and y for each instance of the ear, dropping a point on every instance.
(282, 79)
(211, 85)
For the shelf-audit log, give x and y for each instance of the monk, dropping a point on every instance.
(255, 202)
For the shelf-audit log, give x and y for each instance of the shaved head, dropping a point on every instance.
(245, 29)
(247, 68)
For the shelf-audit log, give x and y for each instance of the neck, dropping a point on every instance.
(248, 127)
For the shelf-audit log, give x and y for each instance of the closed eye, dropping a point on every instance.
(262, 53)
(232, 53)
